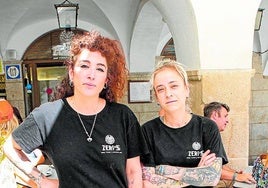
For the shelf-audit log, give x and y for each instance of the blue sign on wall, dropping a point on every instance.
(13, 72)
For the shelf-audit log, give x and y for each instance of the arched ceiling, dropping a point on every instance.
(127, 21)
(142, 26)
(16, 15)
(144, 45)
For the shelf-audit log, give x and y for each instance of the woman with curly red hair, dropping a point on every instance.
(92, 140)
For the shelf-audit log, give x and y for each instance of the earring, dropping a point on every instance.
(71, 83)
(105, 86)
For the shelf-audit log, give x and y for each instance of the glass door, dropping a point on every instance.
(47, 78)
(40, 80)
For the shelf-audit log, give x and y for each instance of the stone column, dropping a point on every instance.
(15, 89)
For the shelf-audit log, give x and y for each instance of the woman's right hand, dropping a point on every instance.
(207, 159)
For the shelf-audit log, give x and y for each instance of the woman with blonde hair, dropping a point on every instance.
(9, 174)
(179, 140)
(8, 122)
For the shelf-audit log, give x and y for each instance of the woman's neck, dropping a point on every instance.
(176, 120)
(87, 106)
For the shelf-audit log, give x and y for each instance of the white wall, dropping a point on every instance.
(226, 30)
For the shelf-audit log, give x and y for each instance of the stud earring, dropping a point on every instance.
(105, 86)
(71, 83)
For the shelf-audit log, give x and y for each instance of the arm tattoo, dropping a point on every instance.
(199, 176)
(148, 173)
(173, 175)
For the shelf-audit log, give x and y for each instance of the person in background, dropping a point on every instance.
(219, 112)
(179, 138)
(9, 174)
(8, 122)
(17, 114)
(92, 140)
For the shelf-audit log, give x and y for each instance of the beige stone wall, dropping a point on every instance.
(143, 111)
(233, 88)
(258, 116)
(229, 86)
(15, 91)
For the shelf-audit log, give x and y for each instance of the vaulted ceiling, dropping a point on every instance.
(24, 21)
(142, 26)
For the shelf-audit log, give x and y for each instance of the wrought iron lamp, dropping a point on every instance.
(67, 13)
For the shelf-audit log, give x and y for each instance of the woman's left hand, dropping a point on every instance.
(207, 159)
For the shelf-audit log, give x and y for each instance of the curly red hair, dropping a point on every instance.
(111, 50)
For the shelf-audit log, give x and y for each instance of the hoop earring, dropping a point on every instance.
(105, 86)
(71, 83)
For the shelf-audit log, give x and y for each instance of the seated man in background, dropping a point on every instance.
(218, 112)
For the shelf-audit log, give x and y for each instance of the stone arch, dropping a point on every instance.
(143, 47)
(41, 47)
(164, 25)
(183, 28)
(28, 34)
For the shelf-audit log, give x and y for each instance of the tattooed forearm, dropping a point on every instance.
(158, 180)
(200, 176)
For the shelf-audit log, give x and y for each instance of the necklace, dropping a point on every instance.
(89, 138)
(163, 119)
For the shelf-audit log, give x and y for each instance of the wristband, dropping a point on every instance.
(234, 176)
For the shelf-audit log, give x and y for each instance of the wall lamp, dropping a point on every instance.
(258, 19)
(67, 13)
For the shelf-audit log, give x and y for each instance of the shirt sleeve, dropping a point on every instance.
(136, 142)
(212, 139)
(147, 159)
(27, 135)
(32, 133)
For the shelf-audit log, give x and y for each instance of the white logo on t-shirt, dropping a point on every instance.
(110, 147)
(196, 145)
(195, 153)
(109, 139)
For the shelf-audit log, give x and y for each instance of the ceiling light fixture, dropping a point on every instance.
(67, 13)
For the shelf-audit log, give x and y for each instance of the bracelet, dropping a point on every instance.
(234, 176)
(37, 180)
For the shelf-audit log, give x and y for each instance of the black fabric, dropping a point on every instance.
(100, 163)
(181, 146)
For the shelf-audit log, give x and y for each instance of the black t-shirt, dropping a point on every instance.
(56, 129)
(181, 146)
